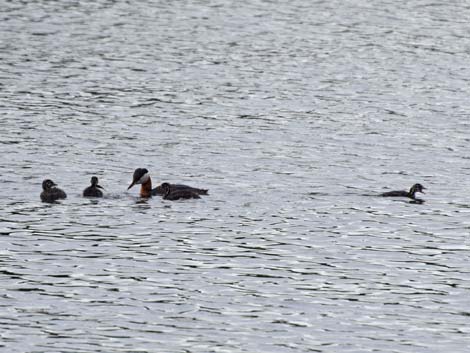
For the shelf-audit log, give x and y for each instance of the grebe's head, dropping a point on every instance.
(48, 184)
(141, 175)
(94, 182)
(417, 188)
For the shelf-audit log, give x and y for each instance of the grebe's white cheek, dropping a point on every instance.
(144, 178)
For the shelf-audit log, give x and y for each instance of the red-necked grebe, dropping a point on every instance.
(142, 176)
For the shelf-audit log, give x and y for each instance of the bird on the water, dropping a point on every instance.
(50, 192)
(94, 189)
(177, 194)
(402, 193)
(141, 176)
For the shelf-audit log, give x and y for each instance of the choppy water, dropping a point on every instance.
(291, 113)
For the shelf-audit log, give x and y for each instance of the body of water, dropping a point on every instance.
(294, 115)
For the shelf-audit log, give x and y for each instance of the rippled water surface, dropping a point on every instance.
(295, 115)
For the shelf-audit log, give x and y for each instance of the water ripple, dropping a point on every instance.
(295, 116)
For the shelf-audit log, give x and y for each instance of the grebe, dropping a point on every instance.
(142, 176)
(177, 194)
(94, 189)
(402, 193)
(50, 193)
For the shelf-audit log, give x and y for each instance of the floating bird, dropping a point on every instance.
(50, 192)
(402, 193)
(94, 189)
(178, 194)
(142, 176)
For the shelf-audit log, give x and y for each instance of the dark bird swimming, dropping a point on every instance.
(50, 192)
(177, 194)
(142, 176)
(402, 193)
(94, 189)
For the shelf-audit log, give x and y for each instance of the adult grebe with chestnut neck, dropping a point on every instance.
(141, 176)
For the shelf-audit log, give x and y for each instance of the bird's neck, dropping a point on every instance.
(146, 188)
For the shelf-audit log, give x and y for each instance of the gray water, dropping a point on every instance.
(295, 115)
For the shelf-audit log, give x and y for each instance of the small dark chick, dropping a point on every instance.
(402, 193)
(94, 189)
(177, 194)
(50, 192)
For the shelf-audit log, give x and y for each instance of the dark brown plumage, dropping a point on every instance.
(94, 189)
(402, 193)
(171, 194)
(50, 192)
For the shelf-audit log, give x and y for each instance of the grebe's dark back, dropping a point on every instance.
(177, 194)
(50, 192)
